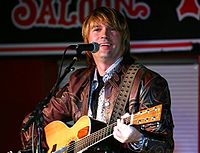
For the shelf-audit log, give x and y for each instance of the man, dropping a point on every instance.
(93, 91)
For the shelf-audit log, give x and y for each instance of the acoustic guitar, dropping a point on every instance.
(82, 135)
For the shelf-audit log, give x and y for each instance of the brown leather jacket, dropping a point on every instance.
(149, 89)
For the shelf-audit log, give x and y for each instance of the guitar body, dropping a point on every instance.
(87, 132)
(59, 135)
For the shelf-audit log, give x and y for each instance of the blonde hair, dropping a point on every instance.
(114, 19)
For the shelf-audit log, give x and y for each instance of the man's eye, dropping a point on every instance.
(96, 29)
(113, 29)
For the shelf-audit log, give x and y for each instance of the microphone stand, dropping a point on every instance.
(35, 116)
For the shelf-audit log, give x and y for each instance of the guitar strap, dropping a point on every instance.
(125, 89)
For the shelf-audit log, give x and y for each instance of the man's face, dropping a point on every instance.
(109, 40)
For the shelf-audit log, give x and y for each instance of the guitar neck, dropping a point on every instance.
(152, 114)
(97, 136)
(94, 138)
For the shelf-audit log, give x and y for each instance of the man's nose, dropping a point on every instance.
(105, 33)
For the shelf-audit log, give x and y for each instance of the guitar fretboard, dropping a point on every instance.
(152, 114)
(95, 137)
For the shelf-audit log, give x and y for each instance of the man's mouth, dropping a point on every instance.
(105, 44)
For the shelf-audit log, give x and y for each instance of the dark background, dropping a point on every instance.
(162, 24)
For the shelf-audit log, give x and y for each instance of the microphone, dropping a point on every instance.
(92, 47)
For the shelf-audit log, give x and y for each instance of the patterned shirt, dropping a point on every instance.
(102, 108)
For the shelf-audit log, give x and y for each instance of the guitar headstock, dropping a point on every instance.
(148, 115)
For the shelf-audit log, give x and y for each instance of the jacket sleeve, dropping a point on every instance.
(58, 108)
(65, 106)
(157, 136)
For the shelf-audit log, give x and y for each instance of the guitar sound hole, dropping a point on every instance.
(54, 148)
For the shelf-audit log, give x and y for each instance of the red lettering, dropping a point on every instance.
(24, 14)
(103, 3)
(64, 20)
(83, 6)
(47, 13)
(188, 8)
(133, 9)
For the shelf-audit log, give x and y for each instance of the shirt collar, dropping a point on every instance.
(109, 71)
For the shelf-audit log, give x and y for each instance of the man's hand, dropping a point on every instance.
(126, 133)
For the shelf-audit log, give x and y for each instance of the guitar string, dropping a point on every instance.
(97, 135)
(92, 138)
